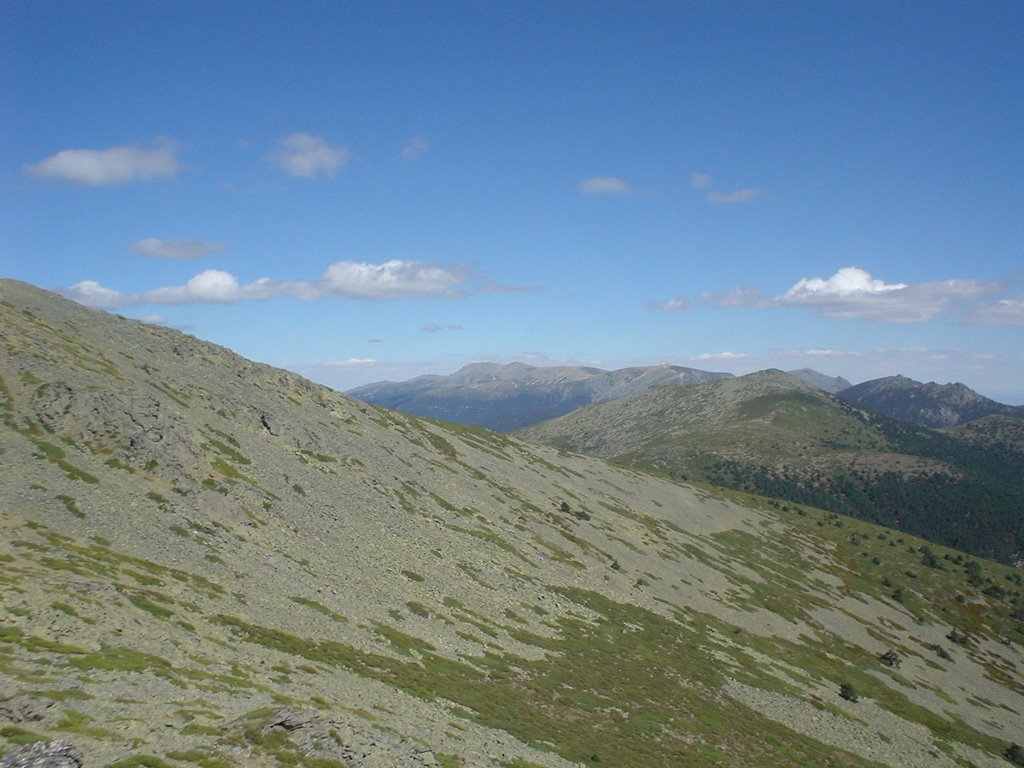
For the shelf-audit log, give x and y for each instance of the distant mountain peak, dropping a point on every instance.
(927, 405)
(813, 378)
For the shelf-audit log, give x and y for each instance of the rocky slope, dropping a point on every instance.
(926, 405)
(211, 562)
(507, 397)
(772, 434)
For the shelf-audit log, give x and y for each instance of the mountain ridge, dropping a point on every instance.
(505, 397)
(926, 404)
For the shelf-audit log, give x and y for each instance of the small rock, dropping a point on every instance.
(291, 720)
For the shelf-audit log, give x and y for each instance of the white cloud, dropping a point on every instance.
(213, 286)
(153, 319)
(605, 185)
(175, 249)
(1002, 312)
(739, 196)
(92, 294)
(434, 327)
(108, 167)
(677, 304)
(414, 150)
(307, 156)
(848, 281)
(700, 180)
(853, 293)
(389, 280)
(344, 279)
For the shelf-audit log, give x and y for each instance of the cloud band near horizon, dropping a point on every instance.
(393, 279)
(854, 294)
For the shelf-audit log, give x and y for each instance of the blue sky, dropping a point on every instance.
(367, 191)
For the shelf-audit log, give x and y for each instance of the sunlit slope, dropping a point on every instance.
(211, 562)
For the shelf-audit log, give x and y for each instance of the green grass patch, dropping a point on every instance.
(144, 604)
(319, 608)
(71, 505)
(20, 736)
(629, 688)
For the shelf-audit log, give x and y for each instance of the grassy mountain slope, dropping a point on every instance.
(926, 405)
(507, 397)
(211, 562)
(770, 434)
(1000, 434)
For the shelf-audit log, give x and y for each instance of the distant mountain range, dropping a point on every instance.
(927, 405)
(771, 434)
(508, 397)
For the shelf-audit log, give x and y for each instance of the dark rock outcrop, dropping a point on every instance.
(44, 754)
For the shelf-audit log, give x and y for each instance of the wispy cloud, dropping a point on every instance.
(853, 293)
(352, 362)
(706, 356)
(605, 185)
(308, 157)
(414, 150)
(738, 298)
(175, 249)
(1002, 312)
(490, 287)
(677, 304)
(341, 280)
(739, 196)
(706, 181)
(700, 180)
(109, 167)
(434, 327)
